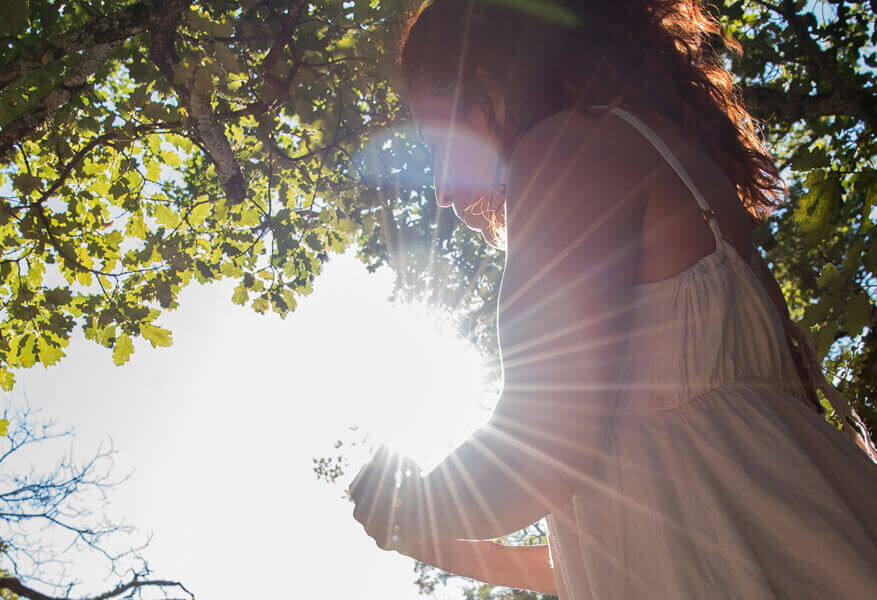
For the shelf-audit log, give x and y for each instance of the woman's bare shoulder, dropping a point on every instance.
(586, 135)
(588, 159)
(573, 198)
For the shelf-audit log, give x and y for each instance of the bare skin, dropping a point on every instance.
(466, 156)
(592, 210)
(522, 567)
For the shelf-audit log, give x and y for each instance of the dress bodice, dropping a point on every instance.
(712, 324)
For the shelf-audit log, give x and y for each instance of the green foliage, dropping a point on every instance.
(433, 259)
(148, 145)
(807, 71)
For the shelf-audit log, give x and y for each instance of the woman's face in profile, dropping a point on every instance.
(466, 156)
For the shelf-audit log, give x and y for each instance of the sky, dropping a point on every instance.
(219, 432)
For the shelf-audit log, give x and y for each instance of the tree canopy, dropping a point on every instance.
(149, 144)
(808, 73)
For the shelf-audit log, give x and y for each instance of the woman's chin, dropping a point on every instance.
(475, 224)
(484, 229)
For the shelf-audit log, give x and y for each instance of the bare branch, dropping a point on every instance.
(15, 586)
(37, 505)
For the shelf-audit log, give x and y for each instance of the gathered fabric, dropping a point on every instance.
(713, 478)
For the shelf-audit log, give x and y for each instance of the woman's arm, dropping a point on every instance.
(575, 200)
(523, 567)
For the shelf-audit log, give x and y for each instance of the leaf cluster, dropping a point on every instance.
(148, 145)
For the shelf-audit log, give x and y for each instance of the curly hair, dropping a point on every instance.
(658, 58)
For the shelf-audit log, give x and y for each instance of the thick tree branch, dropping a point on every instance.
(771, 103)
(844, 96)
(14, 585)
(857, 101)
(70, 86)
(93, 43)
(211, 133)
(282, 40)
(109, 29)
(204, 122)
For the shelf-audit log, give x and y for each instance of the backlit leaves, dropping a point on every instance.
(156, 335)
(238, 156)
(123, 349)
(122, 199)
(803, 69)
(818, 206)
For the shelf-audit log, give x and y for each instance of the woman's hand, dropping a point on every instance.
(385, 494)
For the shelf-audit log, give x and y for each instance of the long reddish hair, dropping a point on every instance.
(659, 58)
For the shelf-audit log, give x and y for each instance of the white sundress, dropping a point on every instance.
(716, 480)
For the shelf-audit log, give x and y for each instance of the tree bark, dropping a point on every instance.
(14, 585)
(204, 121)
(770, 103)
(844, 98)
(93, 42)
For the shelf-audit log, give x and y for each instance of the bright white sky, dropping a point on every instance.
(221, 428)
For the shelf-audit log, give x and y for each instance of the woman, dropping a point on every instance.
(652, 408)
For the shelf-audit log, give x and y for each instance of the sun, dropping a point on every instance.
(435, 389)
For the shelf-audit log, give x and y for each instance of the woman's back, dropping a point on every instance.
(674, 232)
(713, 478)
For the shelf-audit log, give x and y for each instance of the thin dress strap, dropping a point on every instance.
(709, 215)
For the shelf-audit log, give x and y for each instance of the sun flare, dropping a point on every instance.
(435, 387)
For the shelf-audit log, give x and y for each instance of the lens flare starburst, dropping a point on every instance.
(434, 388)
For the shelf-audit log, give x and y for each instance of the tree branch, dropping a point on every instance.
(205, 123)
(16, 587)
(109, 29)
(93, 43)
(770, 103)
(844, 97)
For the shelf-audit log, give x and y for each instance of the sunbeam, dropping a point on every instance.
(434, 388)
